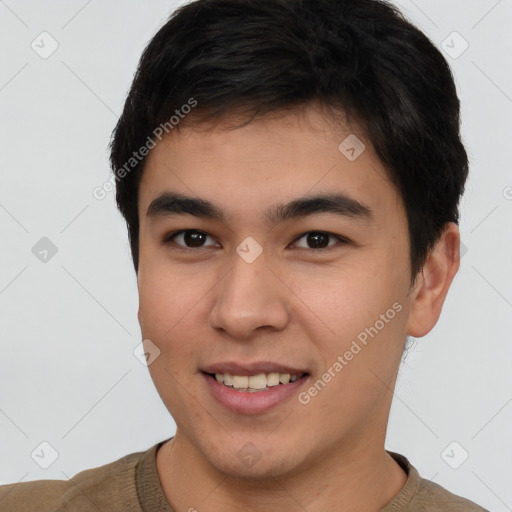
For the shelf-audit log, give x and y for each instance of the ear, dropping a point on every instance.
(433, 281)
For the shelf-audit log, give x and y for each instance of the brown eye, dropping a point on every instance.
(189, 238)
(318, 240)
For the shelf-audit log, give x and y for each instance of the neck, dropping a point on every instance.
(364, 479)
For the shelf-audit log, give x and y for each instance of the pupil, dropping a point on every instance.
(193, 238)
(314, 239)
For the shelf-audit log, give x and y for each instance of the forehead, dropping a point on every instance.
(267, 162)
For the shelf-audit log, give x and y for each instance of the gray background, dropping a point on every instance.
(68, 326)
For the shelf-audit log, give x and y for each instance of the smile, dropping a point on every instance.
(253, 394)
(255, 383)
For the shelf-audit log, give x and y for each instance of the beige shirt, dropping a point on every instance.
(131, 484)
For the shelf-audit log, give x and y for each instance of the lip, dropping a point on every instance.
(253, 368)
(246, 402)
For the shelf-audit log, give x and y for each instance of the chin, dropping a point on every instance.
(268, 468)
(251, 457)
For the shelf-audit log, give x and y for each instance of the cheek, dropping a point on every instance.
(165, 295)
(350, 298)
(172, 313)
(363, 317)
(363, 355)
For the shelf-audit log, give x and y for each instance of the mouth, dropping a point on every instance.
(253, 389)
(258, 383)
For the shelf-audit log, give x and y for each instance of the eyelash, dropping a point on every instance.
(168, 239)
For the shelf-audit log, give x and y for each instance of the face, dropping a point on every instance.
(265, 251)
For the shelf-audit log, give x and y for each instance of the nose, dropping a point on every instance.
(250, 297)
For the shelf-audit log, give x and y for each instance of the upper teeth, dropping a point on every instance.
(260, 381)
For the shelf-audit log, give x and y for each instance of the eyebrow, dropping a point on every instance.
(172, 203)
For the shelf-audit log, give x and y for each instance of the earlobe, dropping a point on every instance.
(433, 282)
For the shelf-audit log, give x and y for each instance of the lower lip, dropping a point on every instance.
(247, 402)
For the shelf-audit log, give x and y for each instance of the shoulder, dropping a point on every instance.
(433, 497)
(111, 485)
(422, 495)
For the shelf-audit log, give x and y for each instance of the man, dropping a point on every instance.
(290, 173)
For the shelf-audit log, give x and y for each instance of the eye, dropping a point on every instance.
(319, 239)
(188, 238)
(193, 239)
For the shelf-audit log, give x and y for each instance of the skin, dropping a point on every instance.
(294, 304)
